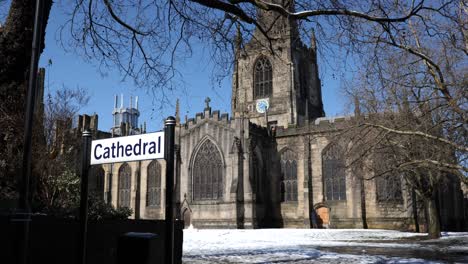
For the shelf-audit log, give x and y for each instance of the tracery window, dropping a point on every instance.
(388, 188)
(207, 173)
(125, 183)
(288, 176)
(97, 182)
(333, 169)
(153, 187)
(263, 74)
(387, 183)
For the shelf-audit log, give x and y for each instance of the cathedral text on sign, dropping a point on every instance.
(130, 148)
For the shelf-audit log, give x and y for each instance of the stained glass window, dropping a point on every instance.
(125, 183)
(96, 184)
(153, 193)
(333, 169)
(207, 173)
(388, 188)
(288, 176)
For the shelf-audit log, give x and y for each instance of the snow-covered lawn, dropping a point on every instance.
(317, 246)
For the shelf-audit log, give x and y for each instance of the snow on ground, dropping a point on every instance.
(309, 246)
(446, 235)
(220, 239)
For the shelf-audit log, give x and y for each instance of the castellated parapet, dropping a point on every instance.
(208, 115)
(319, 125)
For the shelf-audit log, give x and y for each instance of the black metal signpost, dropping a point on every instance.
(85, 161)
(169, 132)
(169, 137)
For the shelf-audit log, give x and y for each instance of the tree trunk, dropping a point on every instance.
(432, 218)
(363, 205)
(415, 210)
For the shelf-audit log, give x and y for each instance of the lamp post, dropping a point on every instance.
(24, 214)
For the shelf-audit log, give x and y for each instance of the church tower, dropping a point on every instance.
(275, 79)
(125, 118)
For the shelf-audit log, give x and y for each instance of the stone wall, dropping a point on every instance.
(343, 213)
(225, 134)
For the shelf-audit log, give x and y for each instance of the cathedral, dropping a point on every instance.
(272, 163)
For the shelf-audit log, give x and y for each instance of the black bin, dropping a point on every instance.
(139, 248)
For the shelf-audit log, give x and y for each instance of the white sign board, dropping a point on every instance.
(131, 148)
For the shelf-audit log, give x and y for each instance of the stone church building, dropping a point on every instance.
(272, 163)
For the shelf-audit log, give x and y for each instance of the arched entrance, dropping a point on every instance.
(187, 216)
(186, 213)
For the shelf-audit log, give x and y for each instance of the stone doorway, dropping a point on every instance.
(186, 215)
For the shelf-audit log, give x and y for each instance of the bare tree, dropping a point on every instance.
(61, 108)
(411, 100)
(57, 183)
(400, 157)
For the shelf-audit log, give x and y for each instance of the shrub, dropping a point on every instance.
(100, 210)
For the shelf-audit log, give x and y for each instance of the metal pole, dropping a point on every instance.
(85, 160)
(24, 215)
(169, 134)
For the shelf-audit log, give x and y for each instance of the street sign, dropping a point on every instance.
(159, 145)
(130, 148)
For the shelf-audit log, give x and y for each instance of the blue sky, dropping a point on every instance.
(70, 70)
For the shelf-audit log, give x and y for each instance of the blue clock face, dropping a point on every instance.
(262, 106)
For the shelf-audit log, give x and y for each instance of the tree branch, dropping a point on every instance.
(122, 23)
(269, 6)
(434, 70)
(332, 12)
(417, 133)
(229, 8)
(456, 169)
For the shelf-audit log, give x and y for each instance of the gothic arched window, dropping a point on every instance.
(387, 184)
(263, 75)
(388, 188)
(153, 187)
(125, 184)
(288, 176)
(207, 173)
(96, 184)
(333, 169)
